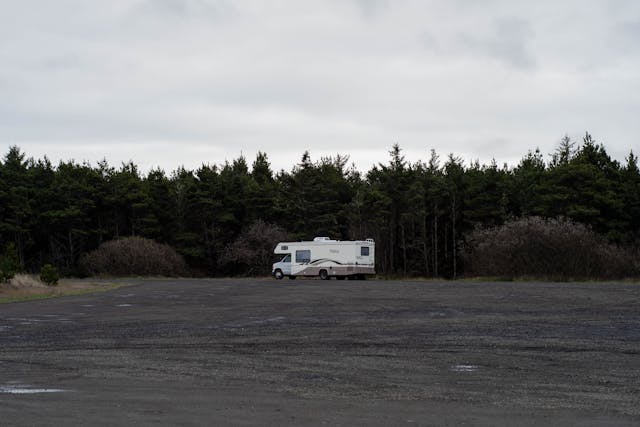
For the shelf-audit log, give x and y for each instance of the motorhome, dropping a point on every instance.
(325, 258)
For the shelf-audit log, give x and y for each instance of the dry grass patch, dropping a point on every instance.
(27, 286)
(26, 281)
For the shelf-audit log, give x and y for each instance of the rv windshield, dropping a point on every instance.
(287, 258)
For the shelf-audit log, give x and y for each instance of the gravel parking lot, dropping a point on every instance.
(310, 352)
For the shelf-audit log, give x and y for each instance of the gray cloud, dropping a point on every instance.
(371, 8)
(176, 12)
(507, 42)
(206, 80)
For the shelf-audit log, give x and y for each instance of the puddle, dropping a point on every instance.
(87, 305)
(25, 389)
(124, 305)
(464, 368)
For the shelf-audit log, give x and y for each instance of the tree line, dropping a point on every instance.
(419, 213)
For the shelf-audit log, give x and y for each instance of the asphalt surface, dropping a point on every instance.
(310, 352)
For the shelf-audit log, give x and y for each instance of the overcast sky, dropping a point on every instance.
(184, 82)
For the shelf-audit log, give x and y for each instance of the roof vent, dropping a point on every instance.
(322, 239)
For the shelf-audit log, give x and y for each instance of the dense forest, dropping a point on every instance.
(418, 213)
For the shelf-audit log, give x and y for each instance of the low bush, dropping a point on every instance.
(546, 248)
(133, 256)
(49, 275)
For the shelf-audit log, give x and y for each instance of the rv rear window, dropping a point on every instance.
(364, 250)
(303, 256)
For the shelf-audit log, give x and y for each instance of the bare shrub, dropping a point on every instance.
(546, 248)
(133, 256)
(252, 252)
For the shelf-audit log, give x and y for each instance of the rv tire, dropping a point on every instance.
(324, 275)
(278, 274)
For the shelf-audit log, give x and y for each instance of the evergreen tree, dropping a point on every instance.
(160, 220)
(128, 201)
(71, 213)
(630, 176)
(455, 187)
(16, 201)
(525, 185)
(188, 236)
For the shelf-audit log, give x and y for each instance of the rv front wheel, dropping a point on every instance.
(278, 274)
(324, 275)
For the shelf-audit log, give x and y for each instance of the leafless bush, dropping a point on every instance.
(546, 248)
(135, 256)
(252, 252)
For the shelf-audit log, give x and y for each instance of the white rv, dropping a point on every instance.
(325, 258)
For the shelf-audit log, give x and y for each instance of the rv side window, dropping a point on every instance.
(287, 258)
(303, 256)
(364, 250)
